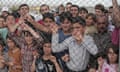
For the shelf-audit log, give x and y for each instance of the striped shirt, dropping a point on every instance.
(78, 53)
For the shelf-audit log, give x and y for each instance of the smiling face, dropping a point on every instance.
(47, 49)
(66, 25)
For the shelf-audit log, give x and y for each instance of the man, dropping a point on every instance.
(74, 10)
(102, 38)
(4, 11)
(68, 6)
(79, 46)
(99, 10)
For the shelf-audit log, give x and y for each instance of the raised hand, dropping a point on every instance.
(53, 59)
(54, 28)
(77, 35)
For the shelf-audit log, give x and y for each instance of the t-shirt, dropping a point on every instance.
(44, 66)
(3, 33)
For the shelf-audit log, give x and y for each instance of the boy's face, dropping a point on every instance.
(47, 48)
(28, 39)
(10, 44)
(66, 25)
(98, 12)
(77, 28)
(2, 22)
(74, 11)
(68, 7)
(89, 21)
(83, 14)
(10, 20)
(48, 21)
(24, 10)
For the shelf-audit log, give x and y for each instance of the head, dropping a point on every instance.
(23, 9)
(99, 10)
(66, 21)
(74, 10)
(102, 24)
(92, 69)
(28, 37)
(44, 9)
(2, 21)
(48, 18)
(47, 48)
(110, 10)
(112, 54)
(10, 43)
(10, 20)
(83, 12)
(5, 11)
(90, 19)
(68, 6)
(78, 25)
(61, 9)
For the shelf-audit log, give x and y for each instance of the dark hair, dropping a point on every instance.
(2, 43)
(110, 7)
(26, 33)
(48, 15)
(115, 49)
(75, 6)
(79, 20)
(2, 17)
(46, 41)
(69, 3)
(91, 15)
(9, 15)
(66, 15)
(100, 7)
(43, 6)
(83, 9)
(22, 5)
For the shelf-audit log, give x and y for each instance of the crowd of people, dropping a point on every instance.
(68, 39)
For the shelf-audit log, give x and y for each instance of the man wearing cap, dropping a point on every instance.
(5, 11)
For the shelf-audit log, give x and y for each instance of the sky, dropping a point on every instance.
(87, 3)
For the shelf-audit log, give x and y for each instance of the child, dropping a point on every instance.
(47, 62)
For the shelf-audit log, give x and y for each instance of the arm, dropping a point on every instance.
(116, 13)
(33, 66)
(56, 46)
(37, 25)
(90, 45)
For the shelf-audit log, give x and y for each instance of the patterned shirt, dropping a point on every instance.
(78, 53)
(27, 56)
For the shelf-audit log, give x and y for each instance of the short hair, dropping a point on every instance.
(43, 6)
(48, 15)
(75, 6)
(22, 5)
(100, 7)
(91, 15)
(69, 3)
(9, 15)
(83, 9)
(79, 20)
(110, 7)
(66, 15)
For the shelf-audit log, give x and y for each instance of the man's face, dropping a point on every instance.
(68, 7)
(47, 48)
(2, 21)
(98, 12)
(101, 25)
(44, 9)
(74, 11)
(83, 14)
(4, 13)
(10, 20)
(24, 10)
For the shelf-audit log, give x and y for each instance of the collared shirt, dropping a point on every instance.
(26, 52)
(78, 53)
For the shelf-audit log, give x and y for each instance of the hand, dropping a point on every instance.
(53, 59)
(100, 61)
(35, 54)
(66, 58)
(29, 18)
(10, 63)
(77, 35)
(54, 28)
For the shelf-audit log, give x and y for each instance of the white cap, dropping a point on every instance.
(5, 9)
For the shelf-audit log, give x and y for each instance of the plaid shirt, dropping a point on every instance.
(27, 56)
(78, 53)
